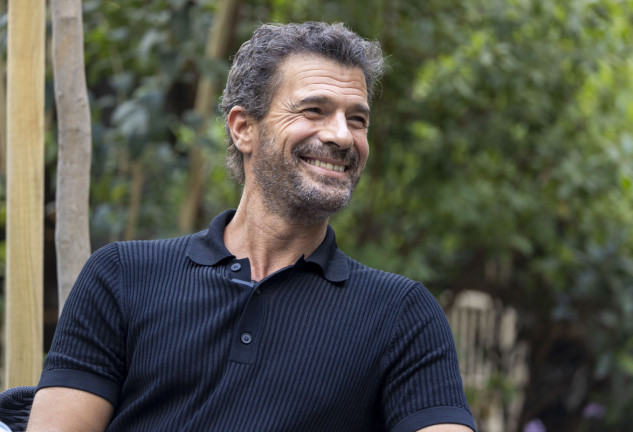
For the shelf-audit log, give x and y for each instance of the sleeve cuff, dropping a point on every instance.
(81, 380)
(434, 416)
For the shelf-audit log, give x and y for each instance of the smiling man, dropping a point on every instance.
(261, 323)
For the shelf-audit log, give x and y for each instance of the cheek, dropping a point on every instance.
(362, 147)
(298, 133)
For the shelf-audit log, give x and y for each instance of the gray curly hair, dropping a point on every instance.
(254, 78)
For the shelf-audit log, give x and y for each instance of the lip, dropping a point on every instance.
(325, 170)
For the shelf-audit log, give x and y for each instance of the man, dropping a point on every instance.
(260, 323)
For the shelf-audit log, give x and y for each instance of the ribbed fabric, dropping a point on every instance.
(173, 333)
(15, 406)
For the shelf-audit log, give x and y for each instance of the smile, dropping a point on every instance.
(325, 165)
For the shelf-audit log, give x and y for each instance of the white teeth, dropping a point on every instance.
(326, 165)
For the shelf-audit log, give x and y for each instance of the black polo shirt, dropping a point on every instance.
(176, 335)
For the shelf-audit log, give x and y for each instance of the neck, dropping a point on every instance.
(270, 241)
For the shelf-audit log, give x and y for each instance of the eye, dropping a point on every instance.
(312, 111)
(358, 121)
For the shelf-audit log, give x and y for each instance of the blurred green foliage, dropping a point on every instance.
(143, 62)
(501, 160)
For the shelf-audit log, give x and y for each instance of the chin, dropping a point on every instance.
(319, 208)
(310, 207)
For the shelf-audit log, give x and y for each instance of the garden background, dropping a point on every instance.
(501, 161)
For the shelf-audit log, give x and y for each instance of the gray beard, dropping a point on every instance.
(294, 195)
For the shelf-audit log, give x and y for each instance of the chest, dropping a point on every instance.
(189, 333)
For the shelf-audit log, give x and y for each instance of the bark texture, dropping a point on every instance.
(72, 232)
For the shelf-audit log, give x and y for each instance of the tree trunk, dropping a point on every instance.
(25, 192)
(217, 46)
(72, 232)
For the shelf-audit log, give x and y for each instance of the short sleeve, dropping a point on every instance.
(88, 349)
(423, 385)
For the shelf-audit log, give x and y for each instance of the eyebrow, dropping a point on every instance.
(324, 100)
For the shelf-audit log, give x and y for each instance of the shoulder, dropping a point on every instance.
(135, 251)
(391, 284)
(401, 298)
(108, 263)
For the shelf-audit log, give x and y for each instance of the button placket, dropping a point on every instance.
(247, 337)
(239, 270)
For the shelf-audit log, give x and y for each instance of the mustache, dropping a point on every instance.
(348, 156)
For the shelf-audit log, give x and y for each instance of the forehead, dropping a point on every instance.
(304, 75)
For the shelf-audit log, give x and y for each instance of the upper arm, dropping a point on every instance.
(446, 428)
(89, 347)
(423, 383)
(67, 409)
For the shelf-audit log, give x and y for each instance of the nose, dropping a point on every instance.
(336, 131)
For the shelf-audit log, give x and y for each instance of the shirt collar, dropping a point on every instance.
(207, 248)
(330, 259)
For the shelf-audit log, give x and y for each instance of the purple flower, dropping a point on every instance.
(593, 411)
(535, 426)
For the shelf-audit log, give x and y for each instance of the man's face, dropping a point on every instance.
(313, 142)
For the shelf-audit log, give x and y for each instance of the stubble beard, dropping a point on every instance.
(306, 198)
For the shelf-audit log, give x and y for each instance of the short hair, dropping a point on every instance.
(254, 78)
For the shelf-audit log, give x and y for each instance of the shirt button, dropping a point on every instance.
(236, 267)
(246, 338)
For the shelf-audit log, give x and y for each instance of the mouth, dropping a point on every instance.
(331, 166)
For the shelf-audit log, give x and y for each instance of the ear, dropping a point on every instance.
(242, 129)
